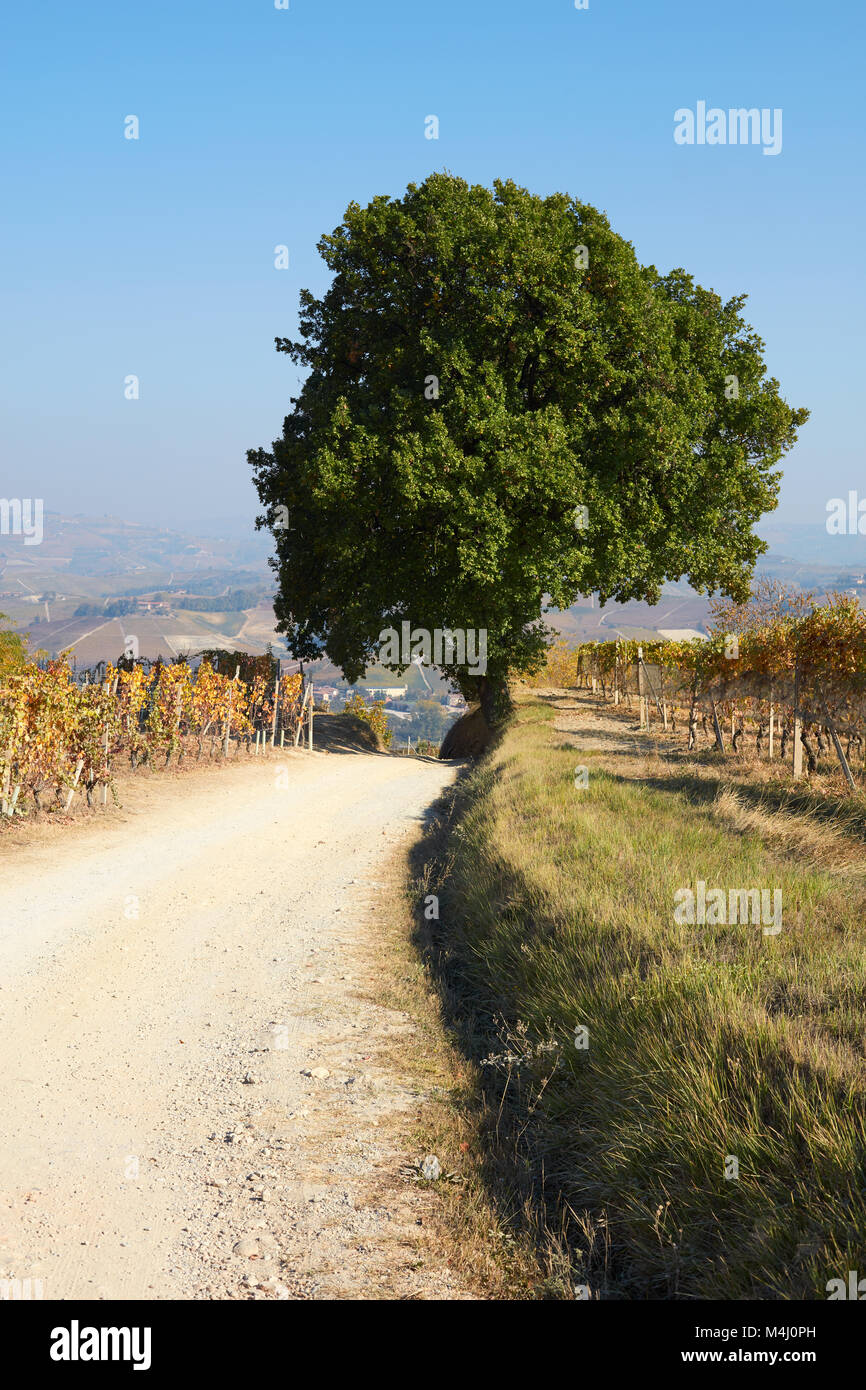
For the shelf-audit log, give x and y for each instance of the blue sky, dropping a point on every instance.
(155, 257)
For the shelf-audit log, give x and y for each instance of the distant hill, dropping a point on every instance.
(89, 563)
(178, 578)
(586, 621)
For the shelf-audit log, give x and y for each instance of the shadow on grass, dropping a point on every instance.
(842, 813)
(543, 1128)
(481, 1023)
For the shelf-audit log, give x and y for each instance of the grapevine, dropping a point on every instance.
(781, 653)
(57, 736)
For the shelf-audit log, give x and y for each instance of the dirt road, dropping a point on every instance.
(169, 974)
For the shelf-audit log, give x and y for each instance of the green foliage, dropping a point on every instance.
(430, 720)
(605, 387)
(235, 601)
(118, 608)
(373, 714)
(13, 650)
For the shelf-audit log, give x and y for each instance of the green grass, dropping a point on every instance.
(557, 911)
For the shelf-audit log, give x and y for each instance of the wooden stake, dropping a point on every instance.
(648, 685)
(719, 740)
(693, 723)
(229, 714)
(837, 745)
(798, 728)
(74, 784)
(276, 706)
(644, 712)
(300, 724)
(772, 729)
(105, 752)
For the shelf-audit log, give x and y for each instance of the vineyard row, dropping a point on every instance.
(796, 684)
(57, 736)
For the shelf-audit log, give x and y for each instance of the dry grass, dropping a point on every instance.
(813, 841)
(463, 1224)
(704, 1041)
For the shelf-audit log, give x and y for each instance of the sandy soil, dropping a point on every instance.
(169, 973)
(594, 727)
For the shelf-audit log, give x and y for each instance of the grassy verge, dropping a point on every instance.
(466, 1226)
(705, 1042)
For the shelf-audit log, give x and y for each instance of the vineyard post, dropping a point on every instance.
(648, 685)
(310, 718)
(300, 723)
(105, 754)
(798, 726)
(837, 745)
(105, 750)
(616, 673)
(78, 768)
(178, 700)
(276, 706)
(772, 724)
(693, 725)
(644, 711)
(229, 713)
(299, 718)
(718, 732)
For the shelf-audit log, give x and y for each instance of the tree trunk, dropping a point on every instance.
(494, 699)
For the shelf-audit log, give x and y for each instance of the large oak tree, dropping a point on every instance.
(485, 364)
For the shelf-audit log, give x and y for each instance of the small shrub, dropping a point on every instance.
(374, 715)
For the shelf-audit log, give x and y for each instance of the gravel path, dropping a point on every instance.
(197, 1099)
(594, 727)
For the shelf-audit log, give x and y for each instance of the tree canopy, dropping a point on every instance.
(502, 409)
